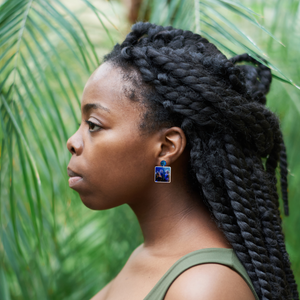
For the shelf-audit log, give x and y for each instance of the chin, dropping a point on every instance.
(95, 203)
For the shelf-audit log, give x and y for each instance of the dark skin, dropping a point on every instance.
(173, 219)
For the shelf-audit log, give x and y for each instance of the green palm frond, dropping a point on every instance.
(26, 57)
(46, 57)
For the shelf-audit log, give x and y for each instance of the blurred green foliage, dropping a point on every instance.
(52, 247)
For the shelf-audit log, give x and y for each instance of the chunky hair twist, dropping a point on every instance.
(235, 142)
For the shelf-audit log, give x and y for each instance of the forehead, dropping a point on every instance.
(106, 87)
(106, 80)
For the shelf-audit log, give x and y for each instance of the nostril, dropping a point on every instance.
(75, 144)
(70, 147)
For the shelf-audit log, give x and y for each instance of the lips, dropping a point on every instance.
(71, 173)
(74, 179)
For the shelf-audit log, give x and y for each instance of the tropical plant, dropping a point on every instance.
(52, 247)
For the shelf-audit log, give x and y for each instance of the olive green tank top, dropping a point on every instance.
(221, 256)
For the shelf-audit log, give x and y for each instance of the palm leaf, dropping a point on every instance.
(39, 108)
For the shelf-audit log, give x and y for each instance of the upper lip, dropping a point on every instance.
(71, 173)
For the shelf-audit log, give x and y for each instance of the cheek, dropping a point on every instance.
(119, 168)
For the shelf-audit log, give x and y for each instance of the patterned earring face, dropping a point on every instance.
(162, 174)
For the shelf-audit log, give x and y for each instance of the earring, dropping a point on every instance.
(162, 174)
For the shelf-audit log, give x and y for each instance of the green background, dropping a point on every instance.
(52, 247)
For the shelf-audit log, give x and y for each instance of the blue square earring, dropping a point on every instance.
(162, 174)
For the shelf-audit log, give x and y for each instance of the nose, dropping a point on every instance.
(75, 143)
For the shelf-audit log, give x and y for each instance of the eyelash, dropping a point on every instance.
(92, 124)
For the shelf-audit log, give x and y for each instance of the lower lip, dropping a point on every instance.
(74, 180)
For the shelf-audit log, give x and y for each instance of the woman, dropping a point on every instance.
(169, 97)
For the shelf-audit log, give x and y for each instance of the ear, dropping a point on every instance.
(172, 143)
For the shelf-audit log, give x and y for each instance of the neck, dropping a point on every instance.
(176, 220)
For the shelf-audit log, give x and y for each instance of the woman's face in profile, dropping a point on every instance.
(108, 150)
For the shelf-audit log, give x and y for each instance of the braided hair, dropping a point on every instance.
(235, 142)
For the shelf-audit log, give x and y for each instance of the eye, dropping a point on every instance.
(92, 126)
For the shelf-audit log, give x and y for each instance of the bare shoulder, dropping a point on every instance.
(209, 281)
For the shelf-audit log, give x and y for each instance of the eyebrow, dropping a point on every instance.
(90, 106)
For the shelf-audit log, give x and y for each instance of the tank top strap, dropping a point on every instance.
(221, 256)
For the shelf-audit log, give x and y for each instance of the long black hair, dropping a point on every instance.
(235, 142)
